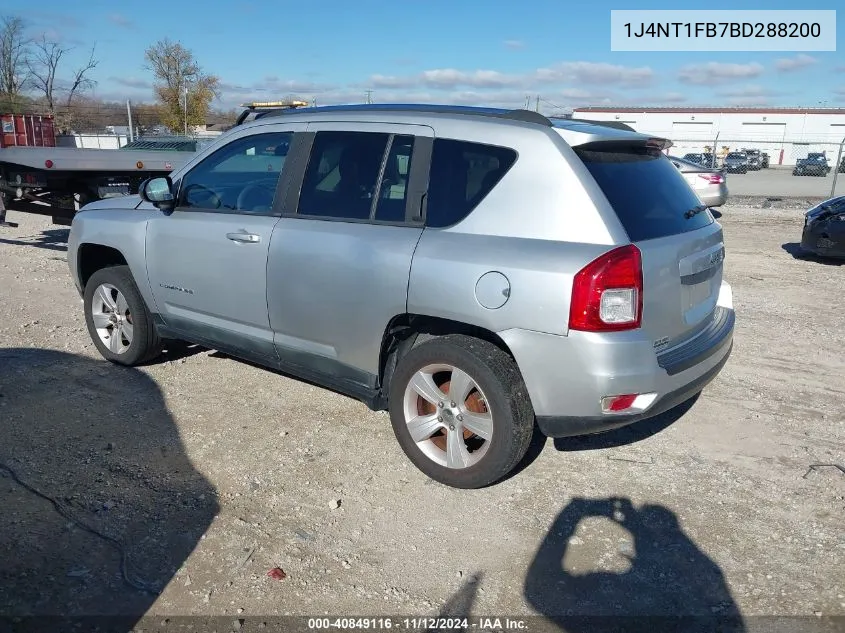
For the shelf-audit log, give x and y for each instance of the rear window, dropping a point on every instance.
(649, 195)
(736, 155)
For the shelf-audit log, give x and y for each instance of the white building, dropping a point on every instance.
(786, 134)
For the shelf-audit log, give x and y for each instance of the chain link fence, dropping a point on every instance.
(788, 167)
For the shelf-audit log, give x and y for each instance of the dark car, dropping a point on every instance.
(824, 229)
(814, 165)
(755, 159)
(736, 162)
(764, 160)
(841, 168)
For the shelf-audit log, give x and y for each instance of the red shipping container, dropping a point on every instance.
(27, 130)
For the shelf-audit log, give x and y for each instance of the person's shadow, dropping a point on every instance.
(100, 504)
(662, 581)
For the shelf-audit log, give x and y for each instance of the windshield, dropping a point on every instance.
(736, 155)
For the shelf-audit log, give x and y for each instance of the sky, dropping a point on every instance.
(497, 53)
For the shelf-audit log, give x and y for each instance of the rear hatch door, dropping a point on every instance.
(681, 243)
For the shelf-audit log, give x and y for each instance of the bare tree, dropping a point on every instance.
(43, 64)
(180, 82)
(81, 82)
(13, 58)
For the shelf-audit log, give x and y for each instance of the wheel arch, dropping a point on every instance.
(92, 257)
(404, 331)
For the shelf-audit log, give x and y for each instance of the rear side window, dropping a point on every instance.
(462, 174)
(342, 175)
(648, 194)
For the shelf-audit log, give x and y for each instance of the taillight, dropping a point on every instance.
(713, 179)
(607, 294)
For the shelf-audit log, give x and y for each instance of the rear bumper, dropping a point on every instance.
(567, 376)
(566, 426)
(714, 196)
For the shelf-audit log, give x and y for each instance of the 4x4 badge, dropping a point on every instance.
(717, 257)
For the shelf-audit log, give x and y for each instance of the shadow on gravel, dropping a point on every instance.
(177, 350)
(794, 249)
(51, 239)
(101, 506)
(459, 605)
(627, 434)
(661, 581)
(716, 214)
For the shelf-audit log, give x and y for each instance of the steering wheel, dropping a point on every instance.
(213, 202)
(254, 196)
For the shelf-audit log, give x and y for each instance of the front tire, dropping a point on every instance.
(117, 318)
(460, 410)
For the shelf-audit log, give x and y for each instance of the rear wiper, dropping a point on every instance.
(695, 211)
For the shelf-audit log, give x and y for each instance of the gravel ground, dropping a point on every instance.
(208, 473)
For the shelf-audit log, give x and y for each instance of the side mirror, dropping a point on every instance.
(159, 192)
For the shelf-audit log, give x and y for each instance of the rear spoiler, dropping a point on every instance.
(614, 124)
(607, 144)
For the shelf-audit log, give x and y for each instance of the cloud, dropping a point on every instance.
(121, 20)
(514, 45)
(581, 73)
(560, 86)
(445, 79)
(789, 64)
(670, 97)
(273, 88)
(718, 73)
(749, 92)
(551, 102)
(839, 91)
(49, 19)
(749, 101)
(594, 73)
(121, 96)
(132, 82)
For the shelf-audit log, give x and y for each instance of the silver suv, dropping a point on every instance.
(478, 273)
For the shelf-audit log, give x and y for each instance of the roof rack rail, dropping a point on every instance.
(528, 116)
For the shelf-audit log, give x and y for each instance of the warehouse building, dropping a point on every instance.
(786, 134)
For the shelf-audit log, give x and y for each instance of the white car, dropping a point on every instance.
(710, 185)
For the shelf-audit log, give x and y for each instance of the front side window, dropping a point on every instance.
(342, 176)
(240, 177)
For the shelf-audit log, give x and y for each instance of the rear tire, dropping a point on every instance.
(118, 320)
(476, 428)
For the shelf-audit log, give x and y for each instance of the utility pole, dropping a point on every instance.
(836, 169)
(527, 102)
(129, 116)
(369, 94)
(537, 107)
(186, 107)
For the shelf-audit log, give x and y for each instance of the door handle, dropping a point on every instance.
(244, 237)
